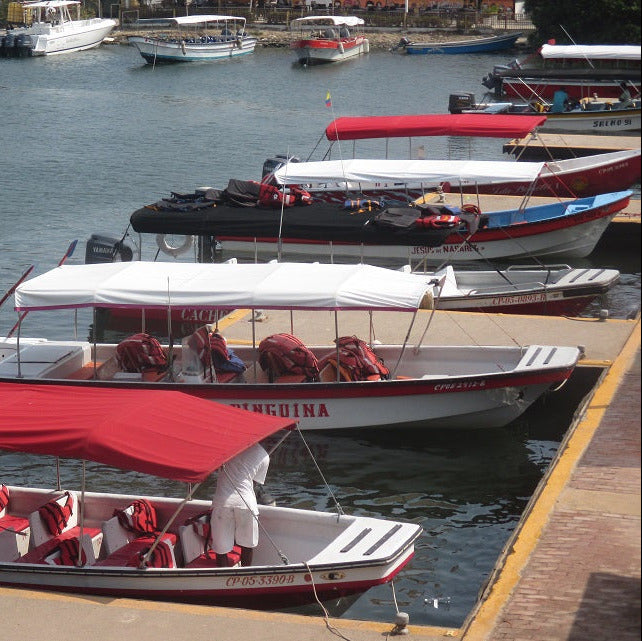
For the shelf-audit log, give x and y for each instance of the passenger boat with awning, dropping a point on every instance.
(199, 38)
(96, 546)
(572, 178)
(349, 383)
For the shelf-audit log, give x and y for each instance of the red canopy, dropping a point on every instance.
(167, 434)
(480, 125)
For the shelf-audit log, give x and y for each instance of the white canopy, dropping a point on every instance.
(593, 52)
(51, 4)
(224, 286)
(350, 21)
(405, 171)
(183, 20)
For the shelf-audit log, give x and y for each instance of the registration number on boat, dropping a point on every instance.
(261, 579)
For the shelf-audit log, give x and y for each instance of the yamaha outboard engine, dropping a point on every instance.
(457, 102)
(272, 164)
(103, 249)
(23, 45)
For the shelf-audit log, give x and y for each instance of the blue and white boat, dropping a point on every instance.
(196, 38)
(474, 45)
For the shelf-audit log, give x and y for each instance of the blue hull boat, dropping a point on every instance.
(476, 45)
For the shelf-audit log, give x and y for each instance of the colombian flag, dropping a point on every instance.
(328, 100)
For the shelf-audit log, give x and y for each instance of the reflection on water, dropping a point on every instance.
(467, 489)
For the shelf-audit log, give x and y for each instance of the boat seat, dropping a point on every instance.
(194, 536)
(14, 530)
(123, 545)
(86, 372)
(130, 554)
(50, 551)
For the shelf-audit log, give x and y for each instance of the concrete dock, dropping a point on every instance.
(571, 570)
(563, 146)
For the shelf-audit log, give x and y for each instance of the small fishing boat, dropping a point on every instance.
(350, 383)
(593, 115)
(464, 46)
(571, 178)
(74, 540)
(581, 70)
(198, 38)
(323, 39)
(51, 29)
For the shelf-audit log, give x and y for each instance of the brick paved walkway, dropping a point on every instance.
(582, 580)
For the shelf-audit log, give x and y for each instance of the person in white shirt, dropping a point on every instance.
(234, 506)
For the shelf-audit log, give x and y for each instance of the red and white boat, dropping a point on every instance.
(572, 178)
(581, 70)
(302, 556)
(323, 39)
(420, 386)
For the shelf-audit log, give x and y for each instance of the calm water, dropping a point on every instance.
(86, 139)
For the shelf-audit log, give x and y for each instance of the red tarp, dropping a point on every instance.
(478, 125)
(162, 433)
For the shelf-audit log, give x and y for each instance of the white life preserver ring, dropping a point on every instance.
(166, 248)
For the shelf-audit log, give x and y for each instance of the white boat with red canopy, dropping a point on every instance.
(96, 545)
(324, 39)
(576, 177)
(323, 386)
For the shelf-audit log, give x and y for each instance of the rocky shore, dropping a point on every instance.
(276, 37)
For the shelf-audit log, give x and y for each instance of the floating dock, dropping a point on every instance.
(564, 146)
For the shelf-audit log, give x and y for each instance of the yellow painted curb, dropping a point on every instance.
(522, 545)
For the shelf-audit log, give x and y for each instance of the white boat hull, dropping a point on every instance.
(433, 387)
(319, 52)
(70, 36)
(160, 50)
(338, 555)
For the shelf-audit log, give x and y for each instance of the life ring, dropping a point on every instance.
(469, 208)
(166, 248)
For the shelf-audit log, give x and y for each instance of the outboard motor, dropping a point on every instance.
(272, 164)
(457, 102)
(23, 45)
(103, 249)
(9, 41)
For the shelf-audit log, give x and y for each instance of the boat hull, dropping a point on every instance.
(314, 563)
(71, 36)
(156, 50)
(496, 386)
(478, 45)
(576, 177)
(312, 51)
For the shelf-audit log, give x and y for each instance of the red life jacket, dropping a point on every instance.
(4, 497)
(442, 221)
(68, 549)
(161, 557)
(139, 517)
(301, 196)
(272, 196)
(141, 353)
(283, 354)
(356, 360)
(56, 516)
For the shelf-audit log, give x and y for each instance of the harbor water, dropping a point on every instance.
(88, 138)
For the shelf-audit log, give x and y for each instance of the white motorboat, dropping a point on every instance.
(53, 30)
(328, 387)
(197, 38)
(323, 39)
(96, 546)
